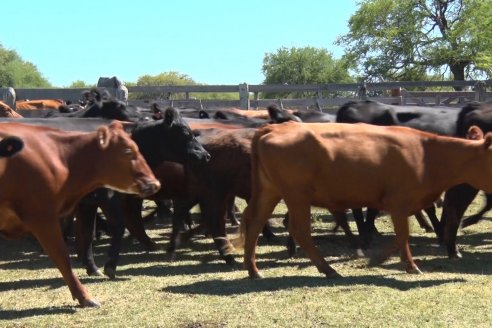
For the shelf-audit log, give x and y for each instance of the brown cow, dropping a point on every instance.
(399, 170)
(7, 111)
(58, 168)
(39, 104)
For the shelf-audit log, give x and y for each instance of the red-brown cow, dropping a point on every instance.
(39, 104)
(57, 169)
(397, 169)
(7, 111)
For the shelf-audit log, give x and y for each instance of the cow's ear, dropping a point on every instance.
(170, 115)
(488, 141)
(10, 146)
(474, 133)
(203, 114)
(103, 136)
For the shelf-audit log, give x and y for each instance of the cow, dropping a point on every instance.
(39, 104)
(169, 139)
(60, 167)
(397, 169)
(440, 120)
(458, 198)
(7, 111)
(9, 146)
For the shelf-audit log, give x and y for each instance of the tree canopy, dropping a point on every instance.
(306, 65)
(17, 73)
(409, 39)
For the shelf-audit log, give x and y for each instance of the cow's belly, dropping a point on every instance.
(11, 226)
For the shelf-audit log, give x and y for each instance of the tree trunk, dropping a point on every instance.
(458, 70)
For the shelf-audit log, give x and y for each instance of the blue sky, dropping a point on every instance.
(213, 42)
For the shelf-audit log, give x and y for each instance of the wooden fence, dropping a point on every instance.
(321, 96)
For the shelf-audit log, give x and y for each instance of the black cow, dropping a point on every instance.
(10, 146)
(458, 198)
(169, 139)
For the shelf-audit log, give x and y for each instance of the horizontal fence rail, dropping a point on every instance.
(317, 96)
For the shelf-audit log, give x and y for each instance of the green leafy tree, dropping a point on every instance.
(306, 65)
(173, 78)
(81, 84)
(17, 73)
(414, 39)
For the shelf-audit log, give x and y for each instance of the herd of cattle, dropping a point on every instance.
(112, 156)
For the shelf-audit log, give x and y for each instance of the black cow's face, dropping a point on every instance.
(181, 140)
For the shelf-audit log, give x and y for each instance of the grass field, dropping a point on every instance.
(199, 290)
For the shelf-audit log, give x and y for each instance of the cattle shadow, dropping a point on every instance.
(36, 312)
(219, 287)
(49, 283)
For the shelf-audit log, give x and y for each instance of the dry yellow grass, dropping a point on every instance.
(199, 290)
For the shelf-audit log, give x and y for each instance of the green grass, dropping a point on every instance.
(199, 290)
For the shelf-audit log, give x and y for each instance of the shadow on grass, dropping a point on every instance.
(19, 314)
(244, 286)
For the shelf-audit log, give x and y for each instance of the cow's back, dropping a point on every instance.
(344, 165)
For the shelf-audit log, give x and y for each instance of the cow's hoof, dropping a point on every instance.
(333, 275)
(255, 275)
(376, 260)
(110, 272)
(90, 303)
(151, 247)
(229, 259)
(96, 273)
(455, 256)
(414, 270)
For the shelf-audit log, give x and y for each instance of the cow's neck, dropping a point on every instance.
(83, 157)
(458, 160)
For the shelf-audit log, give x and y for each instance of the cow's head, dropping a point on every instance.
(124, 167)
(169, 139)
(10, 146)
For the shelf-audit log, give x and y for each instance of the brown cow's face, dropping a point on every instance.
(129, 172)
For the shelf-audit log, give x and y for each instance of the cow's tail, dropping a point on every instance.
(250, 211)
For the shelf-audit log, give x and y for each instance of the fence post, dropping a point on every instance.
(8, 97)
(362, 92)
(480, 90)
(244, 96)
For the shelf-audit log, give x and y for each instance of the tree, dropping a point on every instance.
(410, 39)
(17, 73)
(173, 78)
(306, 65)
(81, 84)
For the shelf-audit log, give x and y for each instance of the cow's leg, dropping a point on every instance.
(231, 212)
(114, 211)
(477, 217)
(341, 219)
(213, 209)
(456, 201)
(402, 235)
(300, 229)
(134, 221)
(254, 217)
(371, 214)
(423, 222)
(431, 213)
(180, 218)
(49, 235)
(84, 236)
